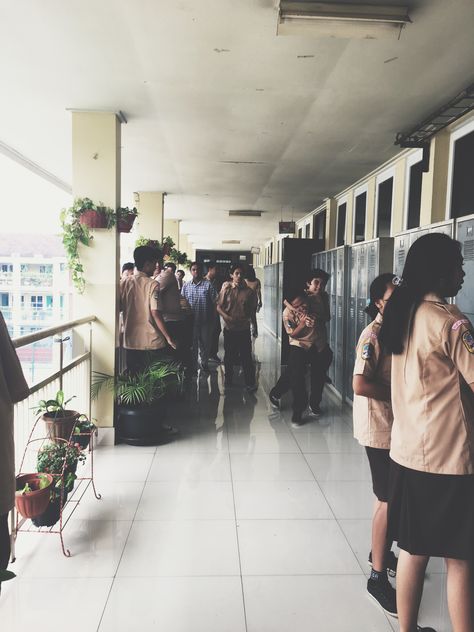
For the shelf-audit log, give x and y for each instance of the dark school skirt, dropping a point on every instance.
(379, 461)
(431, 514)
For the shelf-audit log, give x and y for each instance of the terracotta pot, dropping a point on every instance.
(124, 224)
(34, 503)
(60, 427)
(93, 219)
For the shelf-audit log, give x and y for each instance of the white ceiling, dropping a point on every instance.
(206, 84)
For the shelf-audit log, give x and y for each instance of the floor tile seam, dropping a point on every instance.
(334, 515)
(238, 543)
(124, 547)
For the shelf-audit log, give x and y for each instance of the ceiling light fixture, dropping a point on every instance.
(245, 213)
(231, 241)
(324, 19)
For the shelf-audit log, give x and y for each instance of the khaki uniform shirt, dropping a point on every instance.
(307, 338)
(138, 297)
(373, 418)
(169, 296)
(240, 302)
(319, 307)
(433, 406)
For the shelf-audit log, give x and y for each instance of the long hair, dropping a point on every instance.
(377, 290)
(430, 262)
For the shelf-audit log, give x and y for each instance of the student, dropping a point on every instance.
(127, 269)
(236, 305)
(300, 325)
(431, 495)
(145, 334)
(318, 305)
(373, 418)
(180, 278)
(13, 389)
(254, 284)
(169, 305)
(213, 276)
(202, 297)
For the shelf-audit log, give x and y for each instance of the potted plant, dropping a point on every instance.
(126, 218)
(140, 400)
(144, 241)
(58, 498)
(32, 495)
(82, 431)
(178, 257)
(60, 422)
(59, 458)
(75, 223)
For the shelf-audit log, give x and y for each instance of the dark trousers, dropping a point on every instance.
(4, 542)
(215, 334)
(294, 377)
(177, 329)
(238, 346)
(138, 360)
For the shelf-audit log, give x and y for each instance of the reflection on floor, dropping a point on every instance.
(242, 524)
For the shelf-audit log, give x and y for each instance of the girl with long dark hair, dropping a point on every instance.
(431, 495)
(373, 418)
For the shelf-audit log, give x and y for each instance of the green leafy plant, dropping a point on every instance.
(75, 233)
(178, 257)
(125, 212)
(54, 456)
(54, 407)
(144, 241)
(140, 389)
(43, 482)
(83, 425)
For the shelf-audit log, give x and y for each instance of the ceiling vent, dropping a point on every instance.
(245, 213)
(231, 241)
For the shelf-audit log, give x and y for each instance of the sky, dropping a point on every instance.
(27, 202)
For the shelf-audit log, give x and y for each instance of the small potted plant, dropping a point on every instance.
(59, 458)
(125, 218)
(60, 422)
(140, 400)
(58, 498)
(83, 431)
(93, 215)
(32, 495)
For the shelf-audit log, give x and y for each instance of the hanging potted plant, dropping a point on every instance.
(76, 222)
(140, 400)
(83, 431)
(178, 257)
(125, 218)
(167, 246)
(32, 495)
(60, 422)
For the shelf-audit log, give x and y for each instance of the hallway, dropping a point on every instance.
(242, 524)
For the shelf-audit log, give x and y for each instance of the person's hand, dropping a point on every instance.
(309, 321)
(171, 343)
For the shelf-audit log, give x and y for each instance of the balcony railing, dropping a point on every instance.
(6, 278)
(71, 375)
(38, 279)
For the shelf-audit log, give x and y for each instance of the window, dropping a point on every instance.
(307, 231)
(36, 302)
(7, 267)
(462, 188)
(271, 253)
(359, 216)
(415, 175)
(319, 229)
(384, 207)
(24, 267)
(278, 251)
(300, 233)
(49, 301)
(341, 224)
(4, 299)
(46, 269)
(62, 267)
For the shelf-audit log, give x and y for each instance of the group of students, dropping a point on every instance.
(414, 413)
(164, 320)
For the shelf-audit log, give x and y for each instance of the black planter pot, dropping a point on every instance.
(83, 440)
(52, 514)
(141, 426)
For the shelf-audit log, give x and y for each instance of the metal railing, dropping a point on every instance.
(74, 376)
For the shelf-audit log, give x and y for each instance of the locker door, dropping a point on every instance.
(400, 249)
(351, 340)
(465, 235)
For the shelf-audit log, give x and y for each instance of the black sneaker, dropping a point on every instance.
(296, 420)
(384, 594)
(215, 359)
(274, 400)
(391, 561)
(420, 629)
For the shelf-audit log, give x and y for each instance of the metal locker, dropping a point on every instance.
(279, 300)
(465, 235)
(417, 233)
(351, 313)
(400, 249)
(341, 254)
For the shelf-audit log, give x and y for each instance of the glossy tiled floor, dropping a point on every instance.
(242, 524)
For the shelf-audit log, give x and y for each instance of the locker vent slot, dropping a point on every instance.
(469, 250)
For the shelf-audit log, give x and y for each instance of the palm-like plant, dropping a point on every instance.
(139, 389)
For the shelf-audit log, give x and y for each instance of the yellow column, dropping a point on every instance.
(331, 228)
(96, 174)
(370, 216)
(398, 196)
(150, 215)
(435, 182)
(349, 219)
(171, 229)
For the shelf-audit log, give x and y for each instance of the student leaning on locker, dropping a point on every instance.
(373, 418)
(431, 491)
